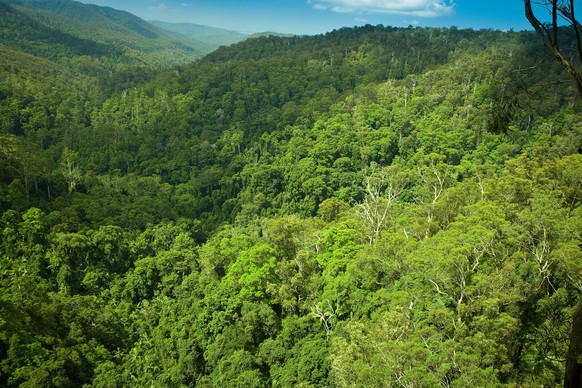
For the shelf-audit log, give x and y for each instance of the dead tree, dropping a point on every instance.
(565, 11)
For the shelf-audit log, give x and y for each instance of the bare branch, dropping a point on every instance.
(381, 190)
(554, 23)
(327, 316)
(551, 39)
(576, 27)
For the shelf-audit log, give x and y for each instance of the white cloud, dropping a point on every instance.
(159, 7)
(417, 8)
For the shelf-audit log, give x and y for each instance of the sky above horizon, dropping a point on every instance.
(307, 17)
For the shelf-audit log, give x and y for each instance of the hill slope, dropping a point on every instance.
(135, 40)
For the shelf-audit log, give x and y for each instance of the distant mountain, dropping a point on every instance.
(212, 36)
(35, 26)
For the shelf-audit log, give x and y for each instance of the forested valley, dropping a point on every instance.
(374, 207)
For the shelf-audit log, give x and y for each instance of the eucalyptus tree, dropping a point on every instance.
(564, 10)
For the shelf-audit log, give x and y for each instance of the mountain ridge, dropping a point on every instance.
(211, 35)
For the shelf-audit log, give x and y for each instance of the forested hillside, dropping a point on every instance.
(99, 38)
(374, 206)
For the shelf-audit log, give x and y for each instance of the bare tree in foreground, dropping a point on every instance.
(564, 10)
(559, 10)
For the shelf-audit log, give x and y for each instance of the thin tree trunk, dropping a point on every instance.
(551, 41)
(573, 376)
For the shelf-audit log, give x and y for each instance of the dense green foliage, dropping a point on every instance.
(98, 38)
(371, 207)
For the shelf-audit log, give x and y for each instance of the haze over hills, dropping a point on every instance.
(375, 206)
(215, 37)
(212, 36)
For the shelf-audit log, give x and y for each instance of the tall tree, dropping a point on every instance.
(564, 9)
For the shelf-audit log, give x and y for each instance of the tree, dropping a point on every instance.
(326, 315)
(566, 10)
(382, 188)
(70, 168)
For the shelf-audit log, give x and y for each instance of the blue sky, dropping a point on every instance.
(320, 16)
